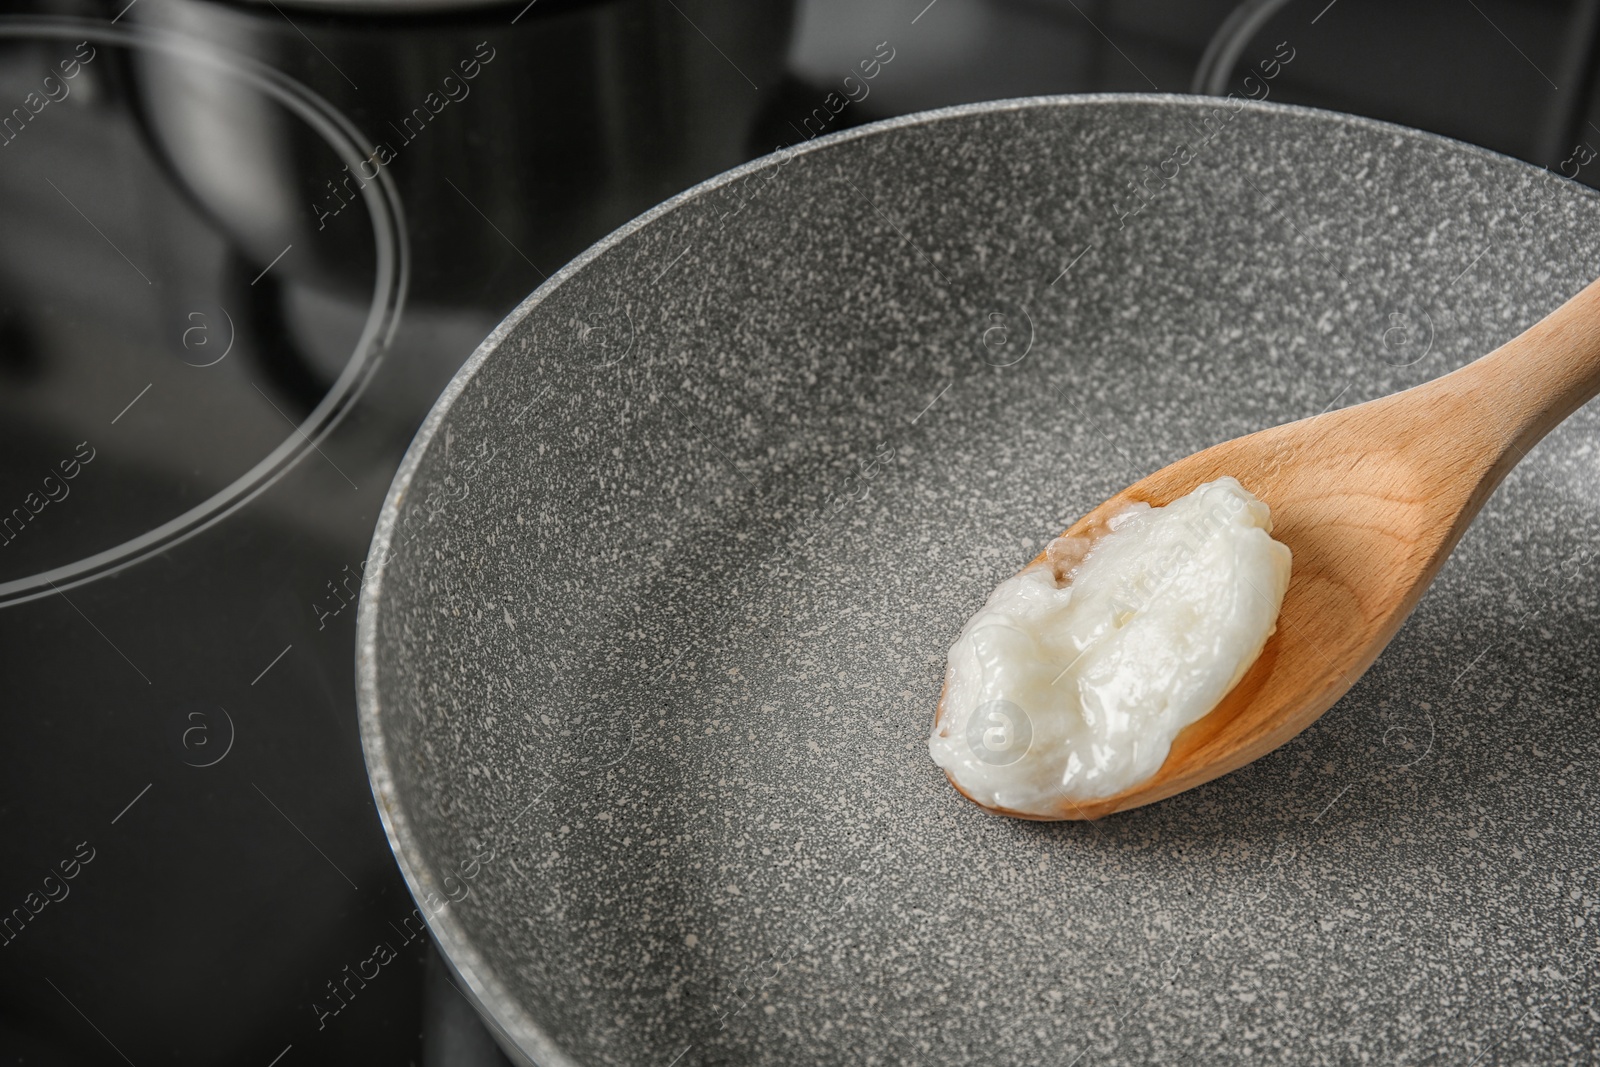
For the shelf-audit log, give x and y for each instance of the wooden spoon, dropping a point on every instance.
(1371, 499)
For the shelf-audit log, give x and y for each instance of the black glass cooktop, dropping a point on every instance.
(242, 248)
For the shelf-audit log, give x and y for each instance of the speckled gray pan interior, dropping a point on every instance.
(669, 576)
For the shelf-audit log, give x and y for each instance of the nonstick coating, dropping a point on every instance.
(658, 608)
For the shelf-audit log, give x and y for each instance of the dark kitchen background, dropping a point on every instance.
(243, 246)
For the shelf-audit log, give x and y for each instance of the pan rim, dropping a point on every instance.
(519, 1032)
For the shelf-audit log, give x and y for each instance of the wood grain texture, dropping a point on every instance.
(1371, 500)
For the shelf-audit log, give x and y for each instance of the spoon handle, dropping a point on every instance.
(1522, 390)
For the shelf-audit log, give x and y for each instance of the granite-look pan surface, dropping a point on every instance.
(658, 611)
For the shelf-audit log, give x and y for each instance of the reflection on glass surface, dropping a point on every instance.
(178, 327)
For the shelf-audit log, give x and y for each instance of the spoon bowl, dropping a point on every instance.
(1371, 499)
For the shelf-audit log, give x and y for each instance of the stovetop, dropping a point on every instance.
(245, 246)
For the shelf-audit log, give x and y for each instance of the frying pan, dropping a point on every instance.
(657, 611)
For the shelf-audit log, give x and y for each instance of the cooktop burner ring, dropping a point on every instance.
(391, 274)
